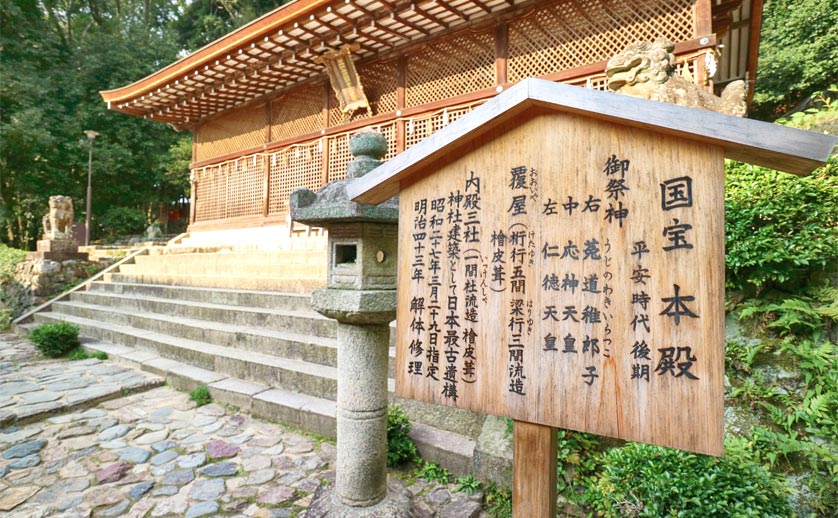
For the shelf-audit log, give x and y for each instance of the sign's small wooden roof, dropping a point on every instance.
(778, 147)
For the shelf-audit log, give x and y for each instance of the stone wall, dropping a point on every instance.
(38, 280)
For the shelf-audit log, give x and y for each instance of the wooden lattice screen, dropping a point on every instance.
(298, 112)
(245, 188)
(379, 81)
(231, 132)
(297, 166)
(574, 33)
(417, 129)
(455, 66)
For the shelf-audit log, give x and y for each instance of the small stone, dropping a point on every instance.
(439, 496)
(114, 432)
(69, 503)
(259, 477)
(461, 509)
(212, 410)
(195, 460)
(113, 472)
(210, 428)
(165, 491)
(116, 510)
(221, 450)
(77, 431)
(195, 438)
(164, 457)
(138, 490)
(179, 477)
(207, 489)
(152, 437)
(222, 469)
(203, 420)
(176, 506)
(10, 388)
(42, 396)
(163, 446)
(134, 455)
(30, 461)
(159, 471)
(114, 444)
(102, 496)
(274, 450)
(256, 463)
(202, 509)
(241, 438)
(93, 413)
(24, 449)
(275, 495)
(14, 496)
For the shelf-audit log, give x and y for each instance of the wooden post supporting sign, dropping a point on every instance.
(534, 472)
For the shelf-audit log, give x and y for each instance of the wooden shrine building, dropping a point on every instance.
(266, 119)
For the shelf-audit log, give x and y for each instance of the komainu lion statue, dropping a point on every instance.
(647, 70)
(58, 222)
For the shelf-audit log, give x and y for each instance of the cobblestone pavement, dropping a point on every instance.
(154, 454)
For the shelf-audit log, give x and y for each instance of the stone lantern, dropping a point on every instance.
(360, 294)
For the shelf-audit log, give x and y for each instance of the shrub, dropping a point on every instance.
(54, 340)
(9, 257)
(434, 473)
(200, 396)
(779, 227)
(400, 447)
(80, 354)
(643, 480)
(120, 221)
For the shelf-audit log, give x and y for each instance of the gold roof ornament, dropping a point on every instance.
(344, 78)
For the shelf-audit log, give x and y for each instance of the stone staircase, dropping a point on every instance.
(194, 317)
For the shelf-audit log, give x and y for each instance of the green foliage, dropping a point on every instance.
(80, 354)
(55, 339)
(200, 396)
(644, 480)
(498, 502)
(400, 447)
(798, 53)
(9, 257)
(468, 484)
(779, 227)
(433, 473)
(123, 221)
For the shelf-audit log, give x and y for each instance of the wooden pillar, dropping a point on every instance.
(501, 52)
(193, 197)
(266, 186)
(401, 81)
(324, 155)
(534, 465)
(753, 47)
(703, 18)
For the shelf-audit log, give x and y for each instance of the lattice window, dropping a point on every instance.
(298, 112)
(232, 132)
(575, 33)
(418, 129)
(245, 188)
(297, 166)
(447, 68)
(379, 80)
(210, 195)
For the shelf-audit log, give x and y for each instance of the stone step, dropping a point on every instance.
(301, 285)
(280, 343)
(287, 374)
(283, 258)
(254, 269)
(313, 414)
(251, 298)
(300, 322)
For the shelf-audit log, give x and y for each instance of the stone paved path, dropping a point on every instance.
(154, 454)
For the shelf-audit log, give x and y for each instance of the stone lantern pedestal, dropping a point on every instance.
(360, 294)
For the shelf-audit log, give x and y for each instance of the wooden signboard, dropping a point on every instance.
(569, 272)
(561, 261)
